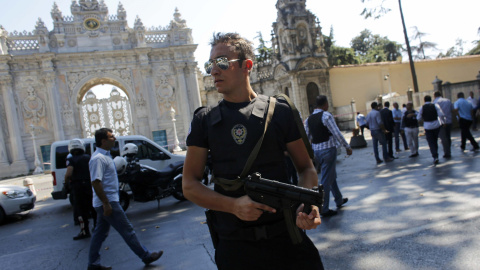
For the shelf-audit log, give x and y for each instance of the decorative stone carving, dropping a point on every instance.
(75, 77)
(165, 92)
(177, 21)
(141, 106)
(67, 115)
(33, 106)
(279, 72)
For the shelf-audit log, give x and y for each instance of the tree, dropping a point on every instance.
(422, 45)
(264, 52)
(370, 48)
(476, 49)
(454, 51)
(379, 11)
(338, 55)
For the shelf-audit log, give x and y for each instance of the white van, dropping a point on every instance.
(149, 153)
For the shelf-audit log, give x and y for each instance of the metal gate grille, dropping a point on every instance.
(113, 112)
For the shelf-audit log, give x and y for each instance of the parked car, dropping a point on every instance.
(15, 199)
(149, 153)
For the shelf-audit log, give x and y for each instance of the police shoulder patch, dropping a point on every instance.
(239, 133)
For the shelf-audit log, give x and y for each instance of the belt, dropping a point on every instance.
(257, 233)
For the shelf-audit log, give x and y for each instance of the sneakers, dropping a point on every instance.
(82, 235)
(153, 257)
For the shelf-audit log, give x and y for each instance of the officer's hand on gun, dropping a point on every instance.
(248, 210)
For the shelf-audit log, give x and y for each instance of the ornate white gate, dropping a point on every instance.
(113, 112)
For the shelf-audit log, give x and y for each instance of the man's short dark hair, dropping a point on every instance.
(386, 104)
(374, 105)
(427, 98)
(321, 100)
(437, 94)
(243, 47)
(101, 134)
(460, 95)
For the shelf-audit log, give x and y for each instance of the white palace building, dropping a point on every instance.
(46, 77)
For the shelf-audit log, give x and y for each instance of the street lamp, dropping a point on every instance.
(38, 168)
(176, 142)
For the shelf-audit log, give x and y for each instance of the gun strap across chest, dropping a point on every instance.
(232, 185)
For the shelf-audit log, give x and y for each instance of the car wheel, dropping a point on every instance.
(2, 216)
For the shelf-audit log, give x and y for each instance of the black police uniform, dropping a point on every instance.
(82, 187)
(230, 131)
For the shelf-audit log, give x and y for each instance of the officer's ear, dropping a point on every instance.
(248, 64)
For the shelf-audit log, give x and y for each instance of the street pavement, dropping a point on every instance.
(406, 214)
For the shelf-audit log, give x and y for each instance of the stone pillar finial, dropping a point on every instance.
(437, 85)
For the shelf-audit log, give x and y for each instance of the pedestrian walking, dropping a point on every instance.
(325, 136)
(432, 116)
(398, 130)
(410, 126)
(472, 100)
(106, 202)
(77, 178)
(389, 124)
(445, 130)
(463, 109)
(377, 130)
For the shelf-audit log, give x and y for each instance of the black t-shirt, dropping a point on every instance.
(229, 155)
(81, 172)
(282, 120)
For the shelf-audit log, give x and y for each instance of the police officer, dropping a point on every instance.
(78, 177)
(230, 131)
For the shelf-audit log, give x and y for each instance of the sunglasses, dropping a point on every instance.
(221, 62)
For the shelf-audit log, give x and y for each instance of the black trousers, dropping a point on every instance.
(432, 139)
(389, 137)
(465, 133)
(83, 202)
(276, 254)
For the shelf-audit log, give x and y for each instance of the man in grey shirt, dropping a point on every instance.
(447, 107)
(377, 130)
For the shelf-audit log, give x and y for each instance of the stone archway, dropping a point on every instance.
(312, 93)
(112, 110)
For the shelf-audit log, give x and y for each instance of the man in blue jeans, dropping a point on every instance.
(325, 136)
(377, 130)
(103, 175)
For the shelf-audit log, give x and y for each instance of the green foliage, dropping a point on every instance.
(476, 49)
(264, 52)
(370, 48)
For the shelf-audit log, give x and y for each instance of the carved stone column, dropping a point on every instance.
(182, 96)
(152, 107)
(192, 89)
(4, 164)
(19, 163)
(54, 107)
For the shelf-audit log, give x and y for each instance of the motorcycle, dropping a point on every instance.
(146, 183)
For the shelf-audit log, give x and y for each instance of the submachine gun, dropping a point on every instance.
(284, 196)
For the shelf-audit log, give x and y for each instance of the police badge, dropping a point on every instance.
(239, 133)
